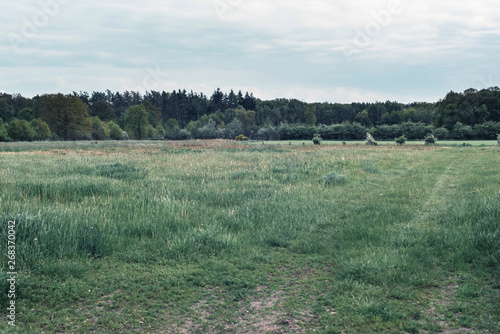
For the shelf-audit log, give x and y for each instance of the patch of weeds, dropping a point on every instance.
(277, 241)
(119, 171)
(239, 175)
(468, 291)
(379, 310)
(207, 240)
(183, 151)
(63, 269)
(411, 327)
(276, 170)
(66, 188)
(263, 148)
(399, 295)
(91, 241)
(370, 167)
(332, 179)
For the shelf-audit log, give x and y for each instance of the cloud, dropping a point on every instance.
(315, 49)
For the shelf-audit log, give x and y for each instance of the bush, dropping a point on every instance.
(41, 130)
(171, 132)
(115, 132)
(241, 138)
(3, 131)
(171, 128)
(317, 139)
(353, 131)
(344, 131)
(430, 139)
(461, 132)
(386, 132)
(370, 140)
(151, 133)
(295, 132)
(414, 131)
(99, 130)
(183, 135)
(269, 133)
(401, 140)
(160, 130)
(20, 130)
(233, 129)
(208, 131)
(486, 131)
(441, 133)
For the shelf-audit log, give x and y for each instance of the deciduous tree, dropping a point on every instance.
(41, 130)
(66, 116)
(136, 122)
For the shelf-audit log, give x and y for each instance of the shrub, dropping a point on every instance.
(183, 135)
(20, 130)
(151, 133)
(295, 132)
(430, 139)
(386, 132)
(160, 130)
(401, 140)
(268, 133)
(3, 131)
(115, 132)
(370, 140)
(486, 131)
(241, 138)
(415, 130)
(208, 131)
(41, 130)
(99, 130)
(353, 131)
(441, 133)
(171, 128)
(233, 129)
(461, 131)
(317, 139)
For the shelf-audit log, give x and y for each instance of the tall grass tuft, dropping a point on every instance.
(331, 179)
(118, 170)
(91, 241)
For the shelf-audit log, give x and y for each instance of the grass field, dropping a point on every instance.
(439, 143)
(222, 237)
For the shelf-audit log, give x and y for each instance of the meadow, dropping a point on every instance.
(225, 237)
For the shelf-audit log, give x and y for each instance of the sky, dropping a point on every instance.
(313, 50)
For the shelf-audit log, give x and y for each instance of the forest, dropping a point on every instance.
(179, 115)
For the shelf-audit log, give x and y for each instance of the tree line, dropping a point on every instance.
(181, 115)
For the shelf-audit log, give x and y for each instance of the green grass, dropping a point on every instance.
(453, 143)
(221, 237)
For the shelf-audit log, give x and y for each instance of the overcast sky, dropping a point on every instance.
(313, 50)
